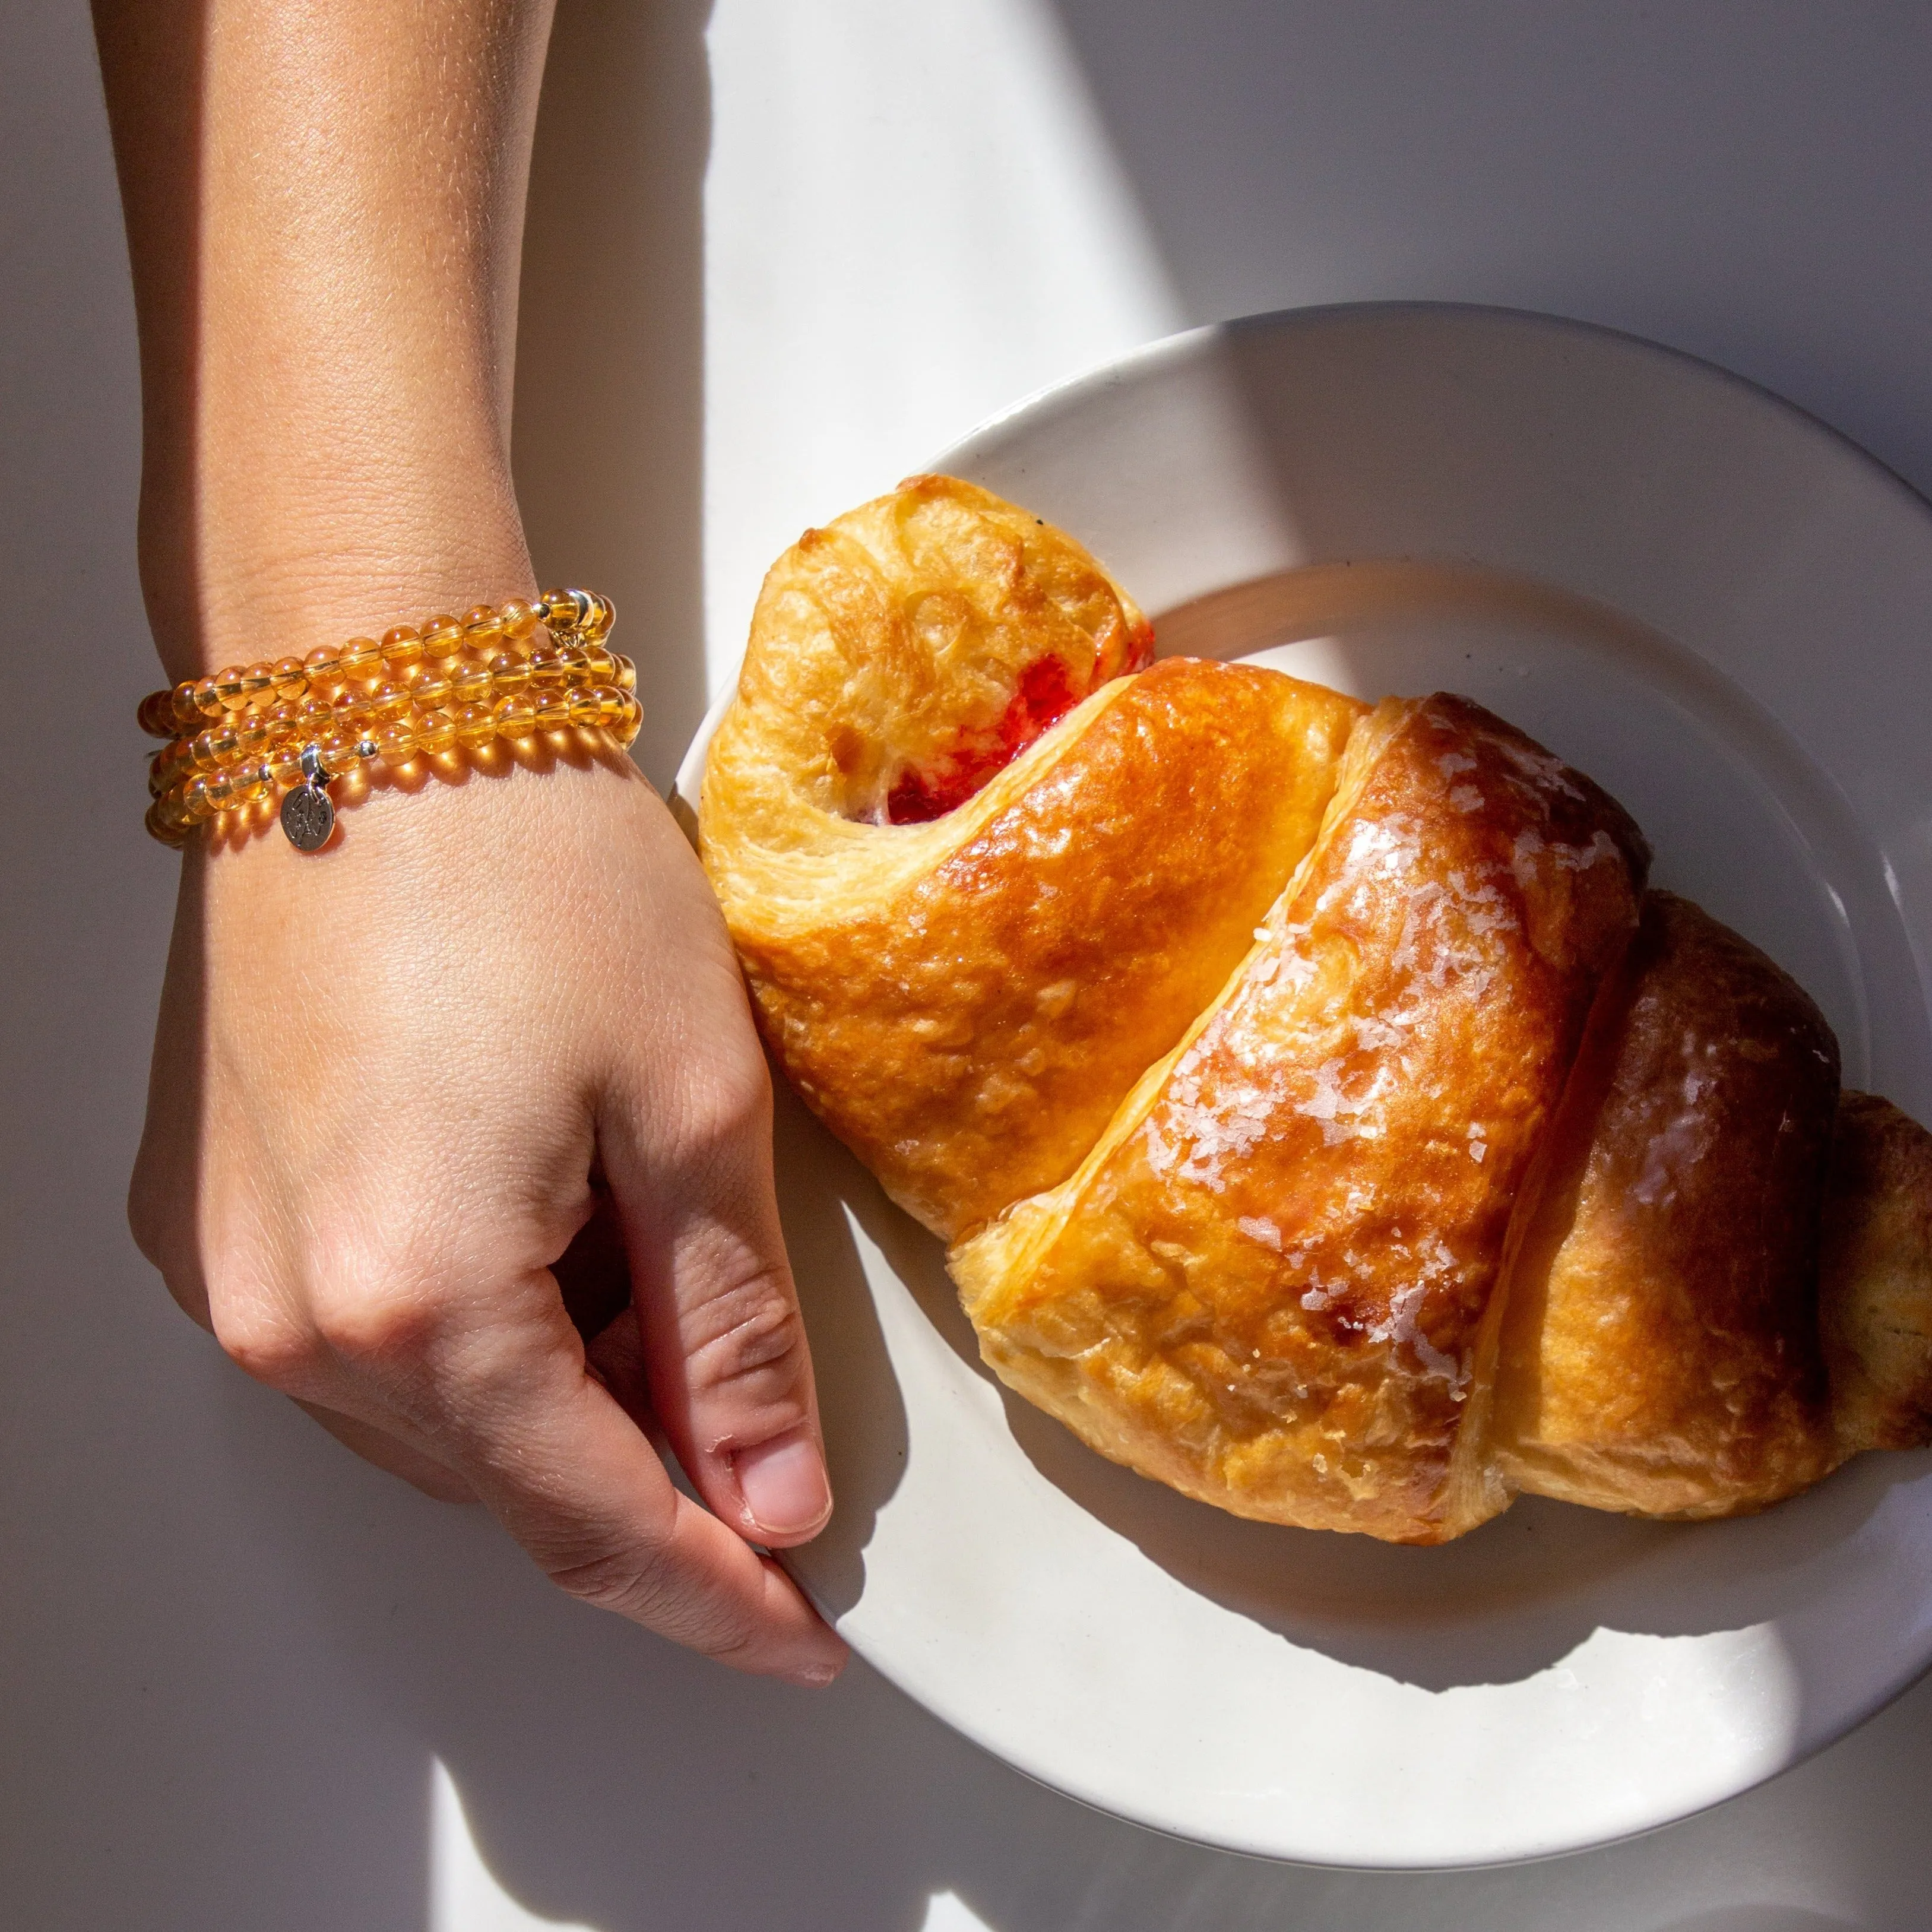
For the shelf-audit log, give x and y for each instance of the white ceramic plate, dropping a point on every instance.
(1723, 611)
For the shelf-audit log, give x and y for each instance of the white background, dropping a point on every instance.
(781, 252)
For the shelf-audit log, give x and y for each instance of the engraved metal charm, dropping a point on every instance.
(308, 812)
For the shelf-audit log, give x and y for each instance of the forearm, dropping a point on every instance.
(325, 212)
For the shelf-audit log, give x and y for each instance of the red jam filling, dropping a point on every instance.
(1043, 698)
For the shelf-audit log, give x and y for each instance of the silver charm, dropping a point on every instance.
(308, 812)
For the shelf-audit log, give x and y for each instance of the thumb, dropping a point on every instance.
(724, 1355)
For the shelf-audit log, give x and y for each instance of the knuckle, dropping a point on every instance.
(371, 1317)
(729, 1108)
(747, 1339)
(263, 1341)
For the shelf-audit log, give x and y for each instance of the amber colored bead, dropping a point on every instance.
(156, 714)
(258, 685)
(323, 668)
(517, 618)
(552, 709)
(627, 672)
(476, 724)
(563, 610)
(228, 691)
(220, 790)
(509, 674)
(625, 726)
(471, 685)
(338, 745)
(291, 680)
(436, 730)
(225, 743)
(443, 637)
(164, 827)
(390, 702)
(602, 666)
(576, 665)
(587, 708)
(516, 717)
(481, 629)
(252, 736)
(249, 784)
(205, 702)
(314, 715)
(285, 768)
(546, 668)
(603, 613)
(362, 661)
(402, 647)
(397, 742)
(187, 711)
(194, 797)
(202, 752)
(610, 702)
(430, 690)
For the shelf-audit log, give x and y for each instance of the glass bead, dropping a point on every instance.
(291, 680)
(476, 724)
(187, 711)
(610, 702)
(314, 715)
(156, 714)
(228, 691)
(220, 789)
(627, 672)
(205, 701)
(602, 665)
(546, 667)
(362, 661)
(576, 667)
(285, 768)
(509, 672)
(337, 746)
(436, 730)
(563, 610)
(225, 743)
(195, 801)
(586, 709)
(443, 637)
(258, 685)
(402, 647)
(471, 685)
(552, 709)
(518, 618)
(202, 751)
(516, 717)
(159, 825)
(398, 742)
(481, 629)
(430, 690)
(603, 615)
(323, 668)
(252, 736)
(249, 784)
(626, 727)
(390, 701)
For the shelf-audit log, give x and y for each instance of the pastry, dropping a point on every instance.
(1324, 1119)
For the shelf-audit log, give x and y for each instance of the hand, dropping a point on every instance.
(390, 1085)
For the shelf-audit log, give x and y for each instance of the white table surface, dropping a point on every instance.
(245, 1681)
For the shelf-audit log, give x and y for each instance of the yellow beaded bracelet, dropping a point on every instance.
(239, 735)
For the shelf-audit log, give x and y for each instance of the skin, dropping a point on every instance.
(495, 1035)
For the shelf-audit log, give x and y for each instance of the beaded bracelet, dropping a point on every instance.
(238, 736)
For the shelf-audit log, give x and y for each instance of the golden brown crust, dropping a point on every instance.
(965, 1002)
(1266, 1286)
(1875, 1287)
(1660, 1353)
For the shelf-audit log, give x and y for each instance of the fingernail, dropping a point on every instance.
(784, 1485)
(814, 1676)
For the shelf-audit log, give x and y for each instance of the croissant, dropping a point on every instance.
(1324, 1117)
